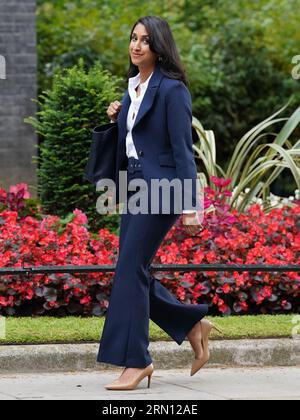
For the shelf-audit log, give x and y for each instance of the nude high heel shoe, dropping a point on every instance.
(148, 371)
(206, 328)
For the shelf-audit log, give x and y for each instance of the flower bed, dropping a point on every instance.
(248, 238)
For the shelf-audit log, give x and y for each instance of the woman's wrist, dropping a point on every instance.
(189, 213)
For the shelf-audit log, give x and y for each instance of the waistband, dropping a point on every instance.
(134, 164)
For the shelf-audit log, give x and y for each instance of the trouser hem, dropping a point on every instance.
(179, 340)
(124, 364)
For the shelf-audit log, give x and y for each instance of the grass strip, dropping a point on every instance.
(46, 330)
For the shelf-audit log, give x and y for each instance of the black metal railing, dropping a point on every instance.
(27, 271)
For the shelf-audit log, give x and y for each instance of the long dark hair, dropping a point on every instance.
(161, 41)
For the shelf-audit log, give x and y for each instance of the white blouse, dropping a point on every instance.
(136, 101)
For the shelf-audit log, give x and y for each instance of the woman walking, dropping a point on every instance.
(154, 122)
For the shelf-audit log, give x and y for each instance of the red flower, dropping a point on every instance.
(226, 288)
(3, 196)
(223, 308)
(3, 301)
(29, 294)
(85, 300)
(252, 237)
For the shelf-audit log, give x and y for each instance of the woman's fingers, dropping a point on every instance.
(117, 105)
(113, 109)
(192, 223)
(194, 231)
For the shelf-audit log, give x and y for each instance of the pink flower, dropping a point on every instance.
(220, 182)
(20, 190)
(80, 217)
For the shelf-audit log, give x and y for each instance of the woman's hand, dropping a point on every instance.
(192, 223)
(113, 110)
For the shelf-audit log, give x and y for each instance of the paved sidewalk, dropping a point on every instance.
(207, 384)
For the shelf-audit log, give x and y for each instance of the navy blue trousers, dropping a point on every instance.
(137, 296)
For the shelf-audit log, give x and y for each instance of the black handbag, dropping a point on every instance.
(103, 153)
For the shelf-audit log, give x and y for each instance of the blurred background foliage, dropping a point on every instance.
(237, 55)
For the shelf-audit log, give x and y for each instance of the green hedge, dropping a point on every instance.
(67, 113)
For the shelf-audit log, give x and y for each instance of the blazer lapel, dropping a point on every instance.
(146, 103)
(149, 96)
(122, 118)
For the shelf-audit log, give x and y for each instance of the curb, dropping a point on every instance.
(165, 355)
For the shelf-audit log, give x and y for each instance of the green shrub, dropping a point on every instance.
(245, 85)
(75, 104)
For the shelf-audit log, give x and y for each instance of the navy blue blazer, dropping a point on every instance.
(162, 134)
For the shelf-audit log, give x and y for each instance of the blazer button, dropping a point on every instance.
(141, 153)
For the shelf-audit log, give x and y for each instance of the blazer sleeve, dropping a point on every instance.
(179, 125)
